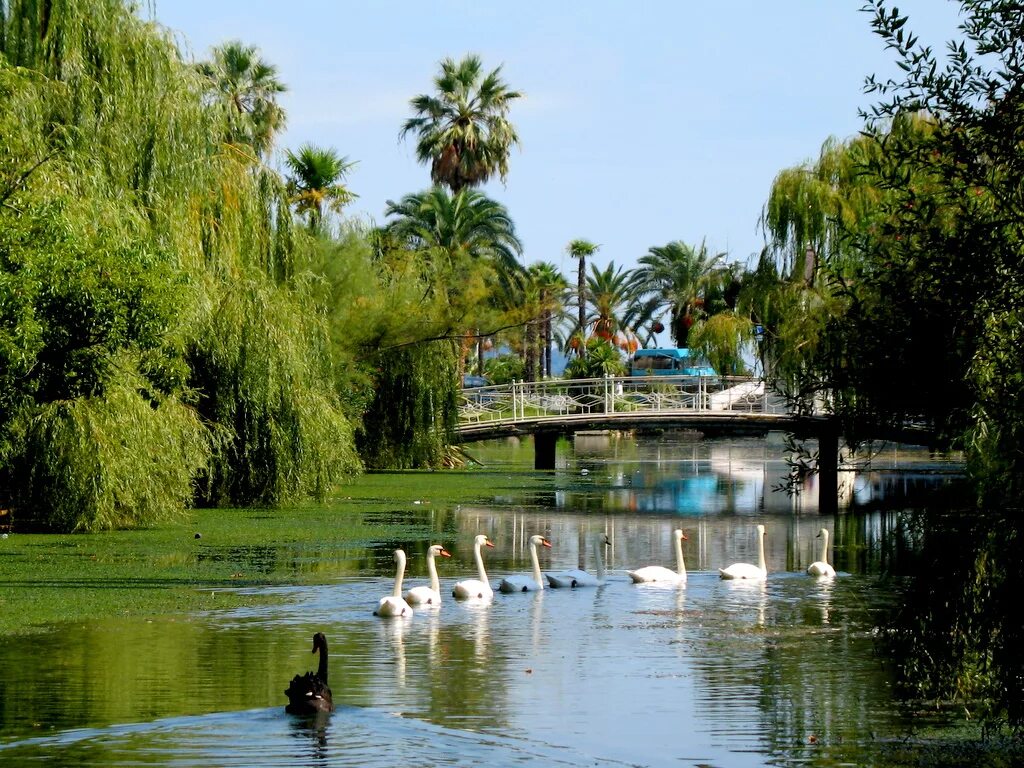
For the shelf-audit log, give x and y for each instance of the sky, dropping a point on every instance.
(642, 122)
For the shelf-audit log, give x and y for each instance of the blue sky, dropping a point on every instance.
(643, 122)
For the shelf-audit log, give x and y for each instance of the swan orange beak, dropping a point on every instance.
(685, 537)
(546, 543)
(445, 553)
(489, 543)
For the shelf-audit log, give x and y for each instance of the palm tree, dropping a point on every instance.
(612, 295)
(459, 231)
(246, 88)
(455, 227)
(581, 249)
(315, 182)
(551, 288)
(463, 130)
(675, 277)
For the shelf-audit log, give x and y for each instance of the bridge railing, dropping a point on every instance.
(616, 394)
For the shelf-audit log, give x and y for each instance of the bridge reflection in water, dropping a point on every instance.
(713, 406)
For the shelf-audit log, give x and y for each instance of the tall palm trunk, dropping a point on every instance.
(530, 351)
(546, 357)
(581, 297)
(580, 249)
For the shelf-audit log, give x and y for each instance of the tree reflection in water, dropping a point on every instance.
(957, 636)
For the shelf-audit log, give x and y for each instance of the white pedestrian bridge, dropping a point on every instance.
(619, 402)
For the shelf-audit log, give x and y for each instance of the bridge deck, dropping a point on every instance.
(716, 405)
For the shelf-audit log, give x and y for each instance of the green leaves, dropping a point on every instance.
(315, 182)
(463, 131)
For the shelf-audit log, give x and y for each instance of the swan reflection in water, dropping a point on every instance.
(311, 730)
(393, 636)
(822, 592)
(536, 617)
(480, 628)
(749, 593)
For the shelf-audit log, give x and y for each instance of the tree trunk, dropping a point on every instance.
(530, 352)
(581, 296)
(547, 345)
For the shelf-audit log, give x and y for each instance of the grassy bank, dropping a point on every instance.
(46, 579)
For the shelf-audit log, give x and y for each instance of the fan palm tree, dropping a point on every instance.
(675, 277)
(315, 182)
(581, 249)
(463, 130)
(246, 88)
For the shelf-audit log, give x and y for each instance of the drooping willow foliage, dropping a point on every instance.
(158, 337)
(414, 409)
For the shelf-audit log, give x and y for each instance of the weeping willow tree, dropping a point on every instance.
(402, 337)
(156, 337)
(811, 208)
(411, 418)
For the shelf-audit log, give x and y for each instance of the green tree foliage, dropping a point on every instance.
(315, 183)
(133, 245)
(468, 252)
(244, 88)
(411, 418)
(721, 339)
(463, 130)
(601, 359)
(456, 230)
(127, 458)
(811, 208)
(551, 289)
(582, 250)
(676, 277)
(264, 370)
(954, 233)
(612, 298)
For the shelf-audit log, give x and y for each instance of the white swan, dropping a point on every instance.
(429, 595)
(821, 567)
(757, 572)
(661, 573)
(394, 604)
(522, 582)
(579, 578)
(478, 587)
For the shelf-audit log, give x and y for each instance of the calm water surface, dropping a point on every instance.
(714, 674)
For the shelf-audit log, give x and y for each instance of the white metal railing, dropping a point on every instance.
(616, 394)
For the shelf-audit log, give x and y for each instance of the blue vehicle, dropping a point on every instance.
(669, 362)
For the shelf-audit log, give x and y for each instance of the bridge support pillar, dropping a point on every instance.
(544, 450)
(828, 472)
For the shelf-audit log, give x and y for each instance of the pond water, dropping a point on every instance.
(716, 673)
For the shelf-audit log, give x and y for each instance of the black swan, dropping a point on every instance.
(309, 693)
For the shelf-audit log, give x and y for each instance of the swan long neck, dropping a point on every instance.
(536, 566)
(824, 545)
(598, 558)
(435, 583)
(321, 670)
(399, 573)
(478, 556)
(760, 552)
(680, 565)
